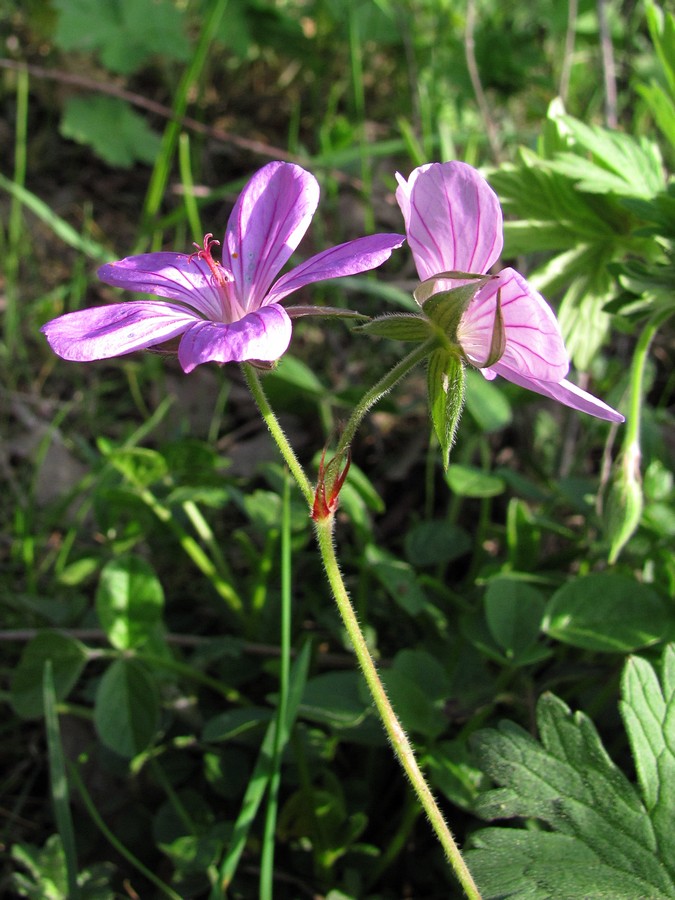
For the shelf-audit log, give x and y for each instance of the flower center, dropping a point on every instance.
(223, 280)
(221, 275)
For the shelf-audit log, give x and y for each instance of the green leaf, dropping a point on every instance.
(418, 687)
(333, 699)
(126, 709)
(514, 611)
(570, 784)
(435, 542)
(648, 709)
(234, 722)
(512, 864)
(487, 404)
(606, 612)
(468, 481)
(445, 381)
(68, 657)
(398, 578)
(296, 374)
(126, 33)
(115, 131)
(452, 769)
(129, 602)
(139, 465)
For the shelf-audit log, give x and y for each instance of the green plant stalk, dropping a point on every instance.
(637, 376)
(324, 532)
(399, 740)
(160, 173)
(355, 53)
(59, 782)
(113, 841)
(382, 387)
(277, 432)
(280, 734)
(261, 775)
(194, 551)
(12, 331)
(191, 208)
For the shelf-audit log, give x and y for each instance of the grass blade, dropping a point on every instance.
(59, 782)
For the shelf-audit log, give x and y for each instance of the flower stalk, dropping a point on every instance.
(324, 525)
(397, 736)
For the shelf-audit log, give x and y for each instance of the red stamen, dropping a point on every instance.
(221, 274)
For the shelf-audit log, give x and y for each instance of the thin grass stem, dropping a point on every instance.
(281, 735)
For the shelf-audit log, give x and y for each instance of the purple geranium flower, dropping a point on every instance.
(454, 224)
(228, 311)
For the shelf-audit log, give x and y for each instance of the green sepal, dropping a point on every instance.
(446, 308)
(446, 381)
(400, 327)
(427, 288)
(498, 339)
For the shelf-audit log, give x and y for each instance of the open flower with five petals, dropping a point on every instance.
(453, 223)
(227, 311)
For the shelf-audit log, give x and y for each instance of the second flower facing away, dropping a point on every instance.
(228, 311)
(454, 225)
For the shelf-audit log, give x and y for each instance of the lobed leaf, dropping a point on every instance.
(648, 709)
(569, 783)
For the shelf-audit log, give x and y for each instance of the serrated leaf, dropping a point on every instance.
(445, 381)
(115, 131)
(606, 612)
(126, 709)
(129, 602)
(648, 709)
(569, 782)
(635, 161)
(126, 33)
(513, 864)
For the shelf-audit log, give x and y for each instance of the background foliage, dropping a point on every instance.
(520, 604)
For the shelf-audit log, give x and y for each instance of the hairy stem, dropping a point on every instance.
(277, 432)
(399, 740)
(383, 386)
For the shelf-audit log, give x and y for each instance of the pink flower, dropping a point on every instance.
(454, 224)
(228, 311)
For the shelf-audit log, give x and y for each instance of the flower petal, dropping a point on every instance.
(266, 225)
(264, 335)
(563, 391)
(534, 344)
(453, 219)
(356, 256)
(174, 275)
(115, 330)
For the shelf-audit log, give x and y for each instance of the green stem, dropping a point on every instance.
(113, 841)
(280, 736)
(383, 386)
(160, 174)
(194, 551)
(277, 432)
(640, 355)
(399, 740)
